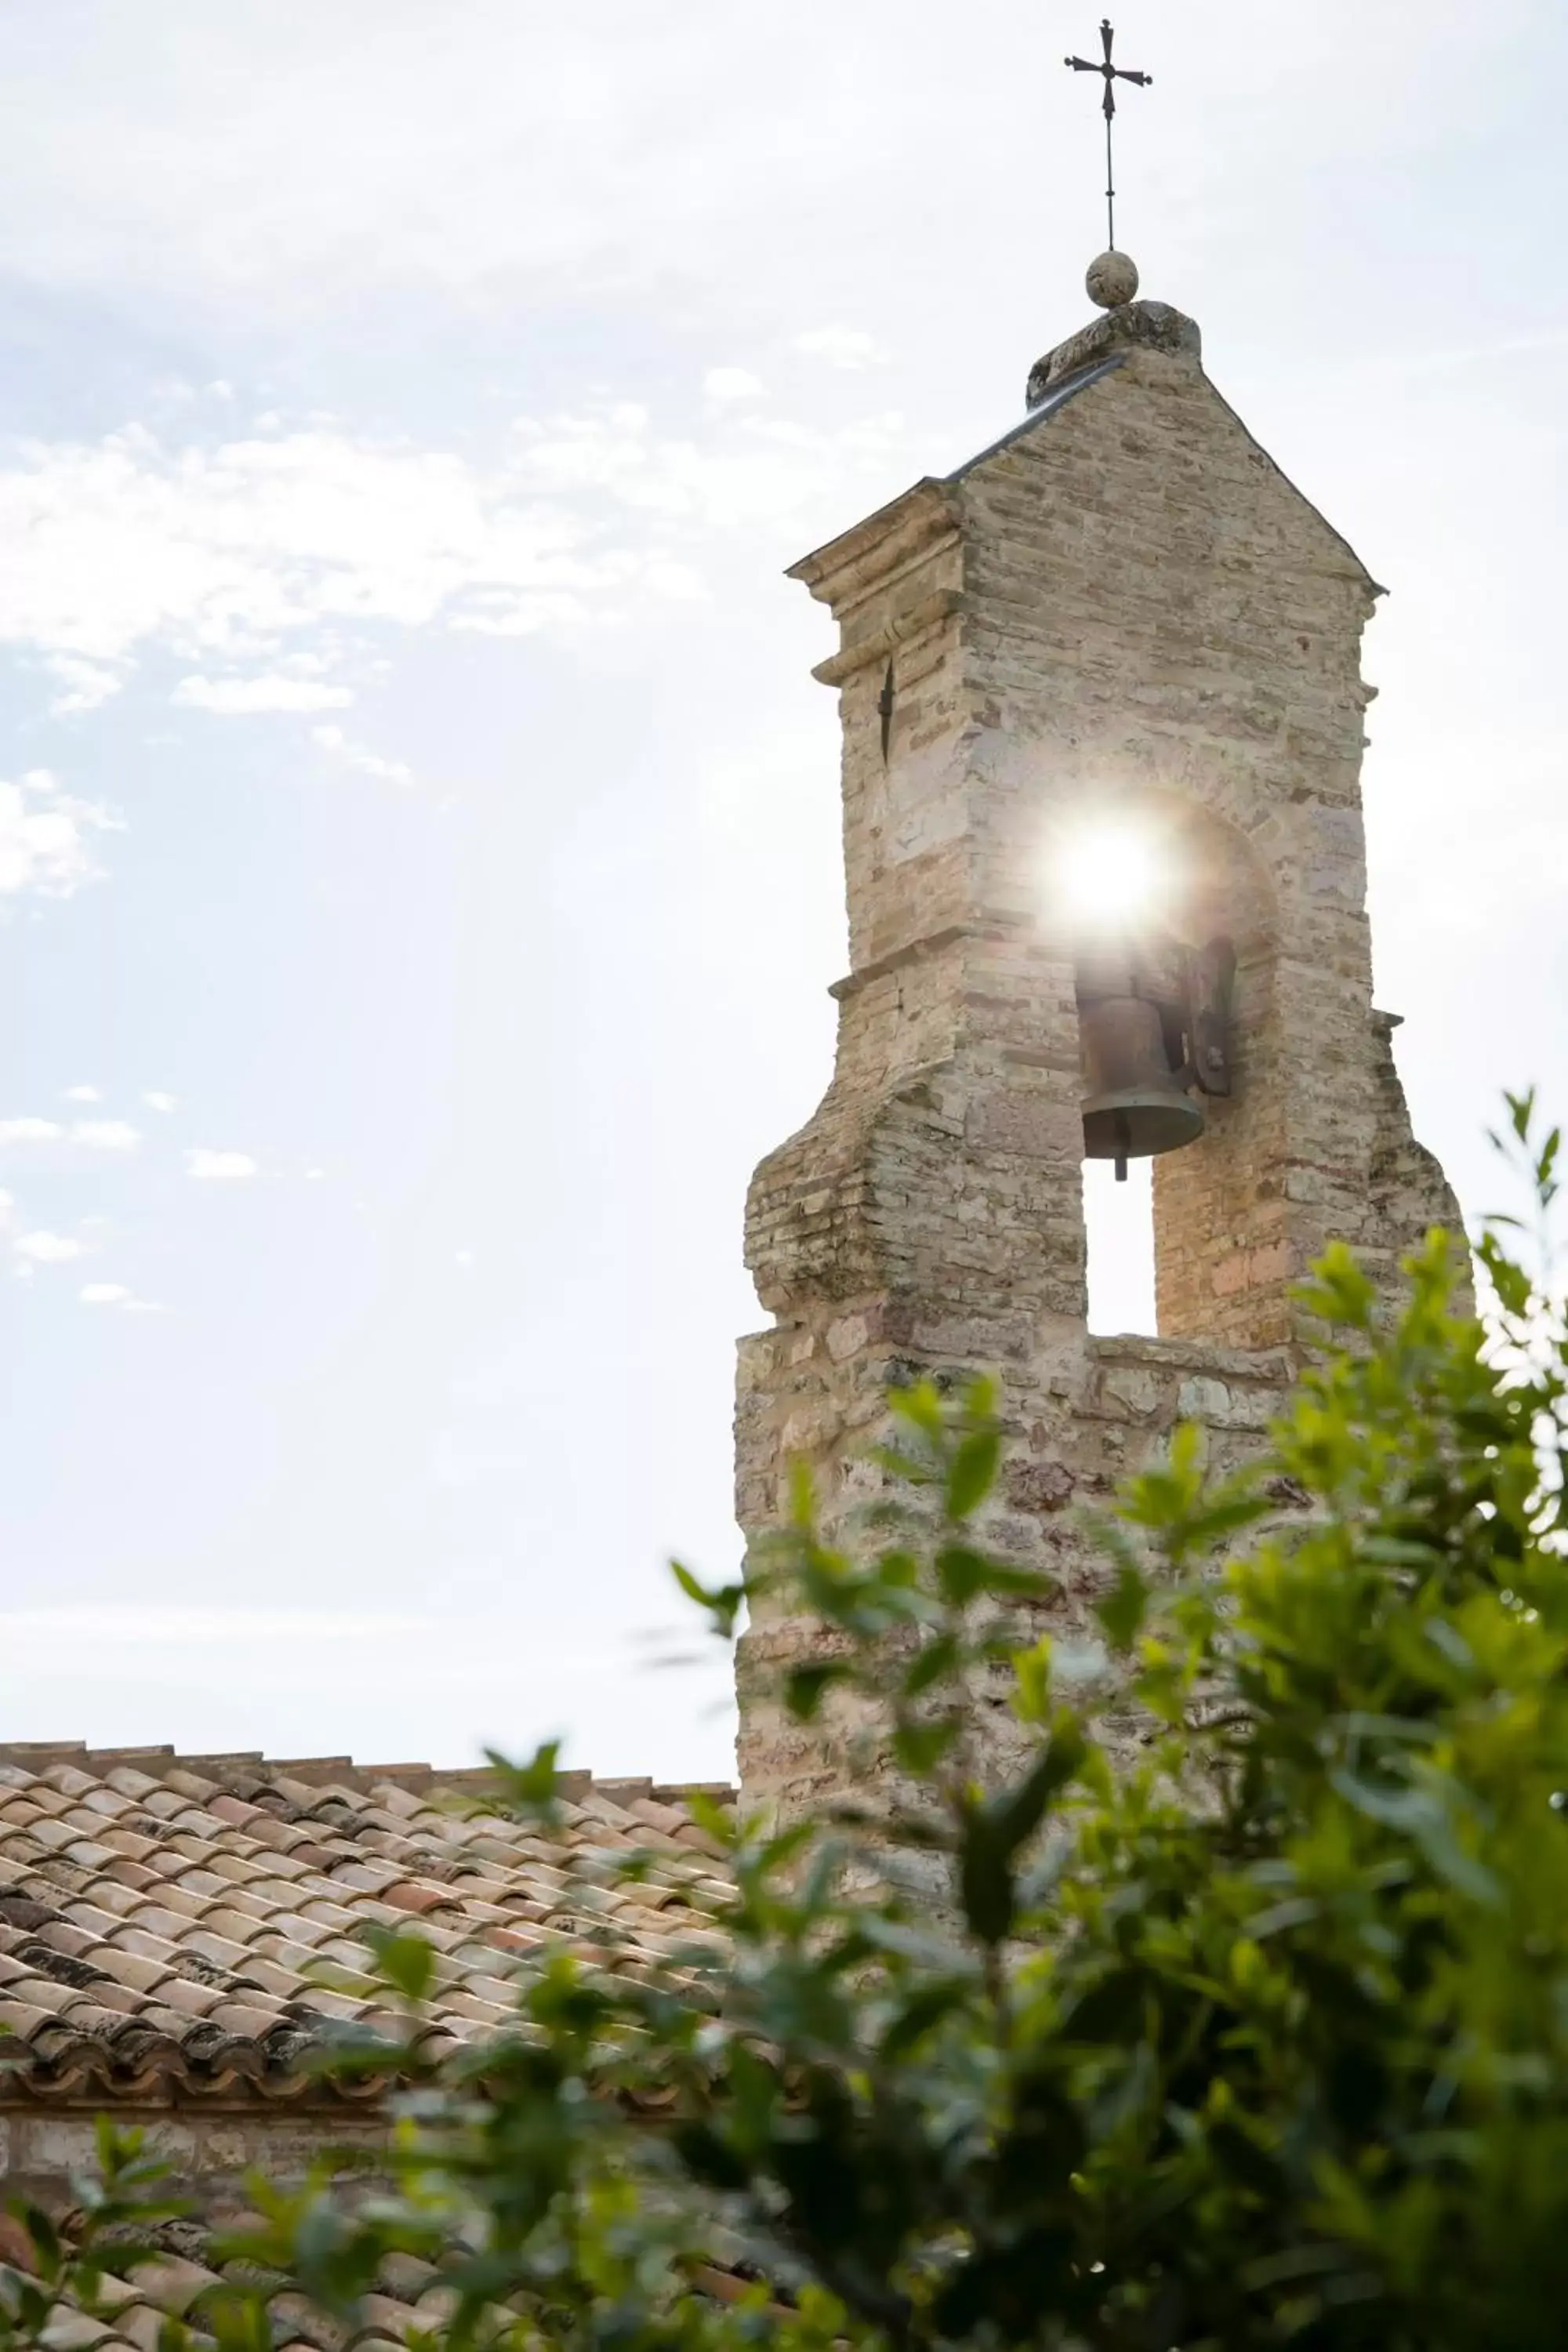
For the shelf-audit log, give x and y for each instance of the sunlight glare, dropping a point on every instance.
(1108, 870)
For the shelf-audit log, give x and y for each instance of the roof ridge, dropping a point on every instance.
(160, 1759)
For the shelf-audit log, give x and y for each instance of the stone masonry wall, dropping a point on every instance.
(1122, 607)
(44, 2150)
(1076, 1424)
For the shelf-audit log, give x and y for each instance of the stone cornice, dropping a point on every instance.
(885, 544)
(928, 613)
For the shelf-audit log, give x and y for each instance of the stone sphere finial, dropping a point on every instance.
(1111, 279)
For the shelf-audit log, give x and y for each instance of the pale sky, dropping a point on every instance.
(419, 876)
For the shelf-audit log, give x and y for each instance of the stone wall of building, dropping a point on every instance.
(1124, 607)
(210, 2151)
(1078, 1421)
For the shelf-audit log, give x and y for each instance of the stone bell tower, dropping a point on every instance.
(1120, 611)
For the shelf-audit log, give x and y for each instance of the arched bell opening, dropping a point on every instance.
(1170, 921)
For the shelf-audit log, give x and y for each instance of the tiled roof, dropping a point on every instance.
(185, 1929)
(130, 2314)
(177, 2278)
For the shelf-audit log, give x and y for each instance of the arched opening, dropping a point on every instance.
(1170, 919)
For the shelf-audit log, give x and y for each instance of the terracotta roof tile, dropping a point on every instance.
(66, 2330)
(141, 2326)
(88, 1853)
(107, 1994)
(151, 1919)
(132, 1937)
(21, 2018)
(218, 1950)
(251, 2018)
(174, 1906)
(130, 1842)
(270, 1977)
(170, 2284)
(45, 1992)
(188, 1994)
(101, 1799)
(53, 1833)
(235, 1810)
(86, 2015)
(285, 1951)
(158, 2017)
(235, 1926)
(132, 1968)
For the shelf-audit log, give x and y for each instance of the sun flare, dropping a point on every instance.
(1110, 871)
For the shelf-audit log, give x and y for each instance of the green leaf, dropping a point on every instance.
(716, 1820)
(961, 1574)
(1032, 1681)
(920, 1748)
(932, 1663)
(532, 1788)
(1122, 1609)
(920, 1406)
(972, 1473)
(915, 2019)
(1521, 1112)
(406, 1962)
(807, 1686)
(721, 1602)
(995, 1827)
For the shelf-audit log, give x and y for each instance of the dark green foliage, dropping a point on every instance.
(1263, 2044)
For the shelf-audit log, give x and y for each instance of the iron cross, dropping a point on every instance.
(1112, 74)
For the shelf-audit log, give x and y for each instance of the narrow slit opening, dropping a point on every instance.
(1118, 1231)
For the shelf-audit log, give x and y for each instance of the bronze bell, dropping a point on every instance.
(1154, 1022)
(1135, 1105)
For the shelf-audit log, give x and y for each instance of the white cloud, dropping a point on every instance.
(241, 696)
(51, 1143)
(841, 347)
(107, 548)
(732, 383)
(45, 836)
(86, 683)
(158, 1101)
(219, 1167)
(119, 1295)
(263, 561)
(82, 1094)
(47, 1249)
(360, 757)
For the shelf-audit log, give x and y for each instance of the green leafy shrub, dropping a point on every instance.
(1264, 2044)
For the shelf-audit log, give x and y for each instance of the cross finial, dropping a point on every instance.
(1112, 74)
